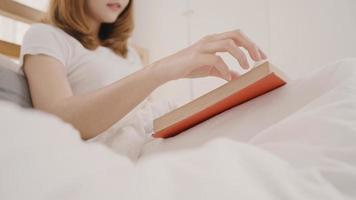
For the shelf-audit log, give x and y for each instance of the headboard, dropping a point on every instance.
(26, 14)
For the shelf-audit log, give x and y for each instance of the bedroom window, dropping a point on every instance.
(15, 30)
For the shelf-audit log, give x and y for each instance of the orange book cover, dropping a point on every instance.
(258, 81)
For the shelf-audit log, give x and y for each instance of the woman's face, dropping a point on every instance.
(106, 11)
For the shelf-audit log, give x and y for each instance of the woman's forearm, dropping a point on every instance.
(97, 111)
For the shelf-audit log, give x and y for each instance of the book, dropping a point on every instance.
(259, 80)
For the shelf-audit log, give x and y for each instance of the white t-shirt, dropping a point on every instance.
(87, 70)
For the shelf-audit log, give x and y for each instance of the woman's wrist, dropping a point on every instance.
(156, 74)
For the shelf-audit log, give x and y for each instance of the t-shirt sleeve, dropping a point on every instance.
(47, 40)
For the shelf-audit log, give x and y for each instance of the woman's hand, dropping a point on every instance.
(200, 59)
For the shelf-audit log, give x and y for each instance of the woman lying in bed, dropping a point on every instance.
(77, 63)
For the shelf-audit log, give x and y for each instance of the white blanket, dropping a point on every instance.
(41, 158)
(300, 144)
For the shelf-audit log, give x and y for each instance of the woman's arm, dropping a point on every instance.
(95, 112)
(90, 113)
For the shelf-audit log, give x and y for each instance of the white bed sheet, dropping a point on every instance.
(43, 158)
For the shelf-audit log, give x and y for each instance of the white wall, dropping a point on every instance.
(15, 30)
(306, 34)
(224, 15)
(161, 28)
(298, 35)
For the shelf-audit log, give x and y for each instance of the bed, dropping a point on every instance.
(297, 142)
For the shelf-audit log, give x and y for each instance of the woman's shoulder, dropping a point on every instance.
(47, 39)
(43, 30)
(44, 27)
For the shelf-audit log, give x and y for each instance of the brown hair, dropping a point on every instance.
(71, 15)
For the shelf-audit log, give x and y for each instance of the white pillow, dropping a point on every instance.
(13, 84)
(10, 64)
